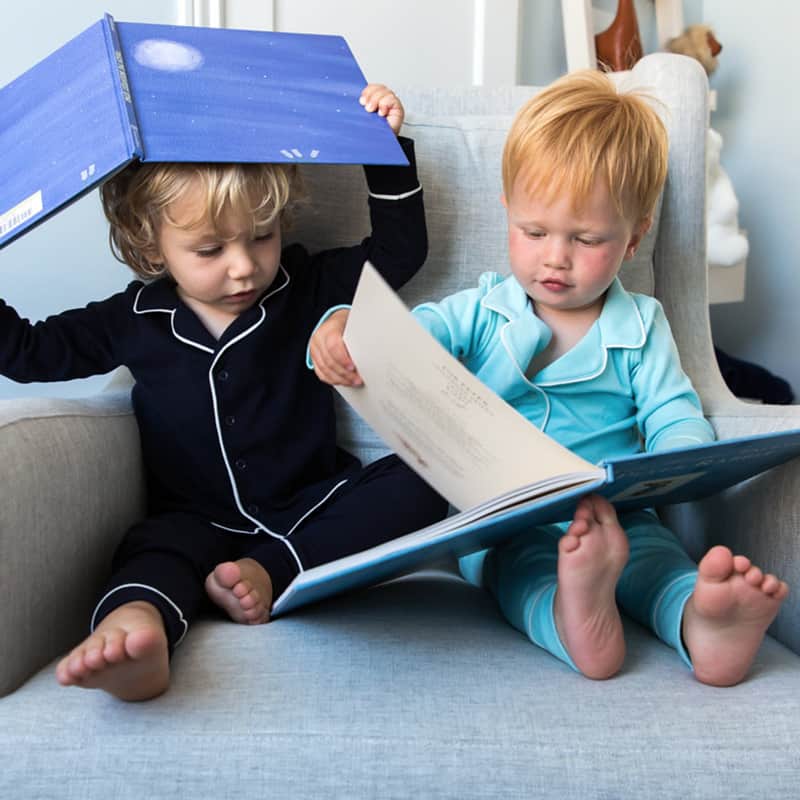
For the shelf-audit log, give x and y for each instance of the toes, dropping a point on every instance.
(71, 668)
(741, 564)
(257, 614)
(782, 591)
(773, 586)
(754, 576)
(242, 589)
(228, 574)
(717, 564)
(114, 650)
(584, 509)
(568, 543)
(93, 658)
(770, 584)
(86, 659)
(582, 519)
(603, 511)
(250, 600)
(579, 527)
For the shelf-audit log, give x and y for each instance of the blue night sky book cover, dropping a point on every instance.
(120, 91)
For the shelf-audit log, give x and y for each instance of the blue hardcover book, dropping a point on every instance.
(121, 91)
(639, 481)
(502, 473)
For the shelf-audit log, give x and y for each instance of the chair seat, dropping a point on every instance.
(399, 691)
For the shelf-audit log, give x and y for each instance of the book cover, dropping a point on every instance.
(502, 473)
(123, 90)
(61, 131)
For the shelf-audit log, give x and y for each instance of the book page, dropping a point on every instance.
(461, 437)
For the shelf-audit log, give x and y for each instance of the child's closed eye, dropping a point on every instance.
(209, 252)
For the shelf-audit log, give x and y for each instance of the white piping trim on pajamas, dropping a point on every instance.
(659, 602)
(314, 508)
(171, 312)
(235, 530)
(402, 196)
(181, 618)
(225, 460)
(523, 375)
(262, 528)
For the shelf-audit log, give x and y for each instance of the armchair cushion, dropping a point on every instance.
(72, 483)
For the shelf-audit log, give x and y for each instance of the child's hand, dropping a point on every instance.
(380, 98)
(332, 362)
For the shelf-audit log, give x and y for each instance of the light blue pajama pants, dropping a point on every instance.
(652, 589)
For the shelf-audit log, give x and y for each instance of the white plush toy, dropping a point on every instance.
(727, 244)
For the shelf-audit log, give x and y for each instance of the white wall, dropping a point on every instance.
(758, 116)
(387, 40)
(65, 262)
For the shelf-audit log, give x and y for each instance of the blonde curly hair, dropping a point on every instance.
(137, 200)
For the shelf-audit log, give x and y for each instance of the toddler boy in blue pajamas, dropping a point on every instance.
(596, 368)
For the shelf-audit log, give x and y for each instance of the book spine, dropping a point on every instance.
(124, 98)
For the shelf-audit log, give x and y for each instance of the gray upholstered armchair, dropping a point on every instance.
(417, 687)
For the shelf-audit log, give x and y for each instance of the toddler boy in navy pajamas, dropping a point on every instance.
(244, 475)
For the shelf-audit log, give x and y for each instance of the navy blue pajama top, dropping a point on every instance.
(236, 430)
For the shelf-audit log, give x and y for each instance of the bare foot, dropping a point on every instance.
(726, 617)
(591, 556)
(242, 588)
(127, 655)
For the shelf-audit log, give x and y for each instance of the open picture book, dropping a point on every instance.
(500, 473)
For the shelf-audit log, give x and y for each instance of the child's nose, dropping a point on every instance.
(242, 263)
(557, 255)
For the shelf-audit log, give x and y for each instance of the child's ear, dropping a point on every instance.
(503, 200)
(639, 232)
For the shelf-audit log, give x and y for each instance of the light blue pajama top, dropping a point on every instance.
(623, 377)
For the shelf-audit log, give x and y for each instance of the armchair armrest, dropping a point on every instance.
(759, 518)
(72, 483)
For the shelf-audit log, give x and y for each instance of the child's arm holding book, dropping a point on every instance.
(398, 242)
(455, 322)
(668, 410)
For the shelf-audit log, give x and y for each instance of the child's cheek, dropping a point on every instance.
(603, 260)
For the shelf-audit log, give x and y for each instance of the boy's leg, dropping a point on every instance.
(385, 500)
(658, 579)
(558, 588)
(155, 592)
(522, 574)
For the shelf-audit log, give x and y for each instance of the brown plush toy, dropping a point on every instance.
(697, 41)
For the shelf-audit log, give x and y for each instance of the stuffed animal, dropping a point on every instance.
(697, 41)
(727, 244)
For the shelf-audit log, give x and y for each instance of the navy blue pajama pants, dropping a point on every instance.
(165, 559)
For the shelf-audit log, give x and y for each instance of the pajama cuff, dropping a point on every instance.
(323, 318)
(175, 624)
